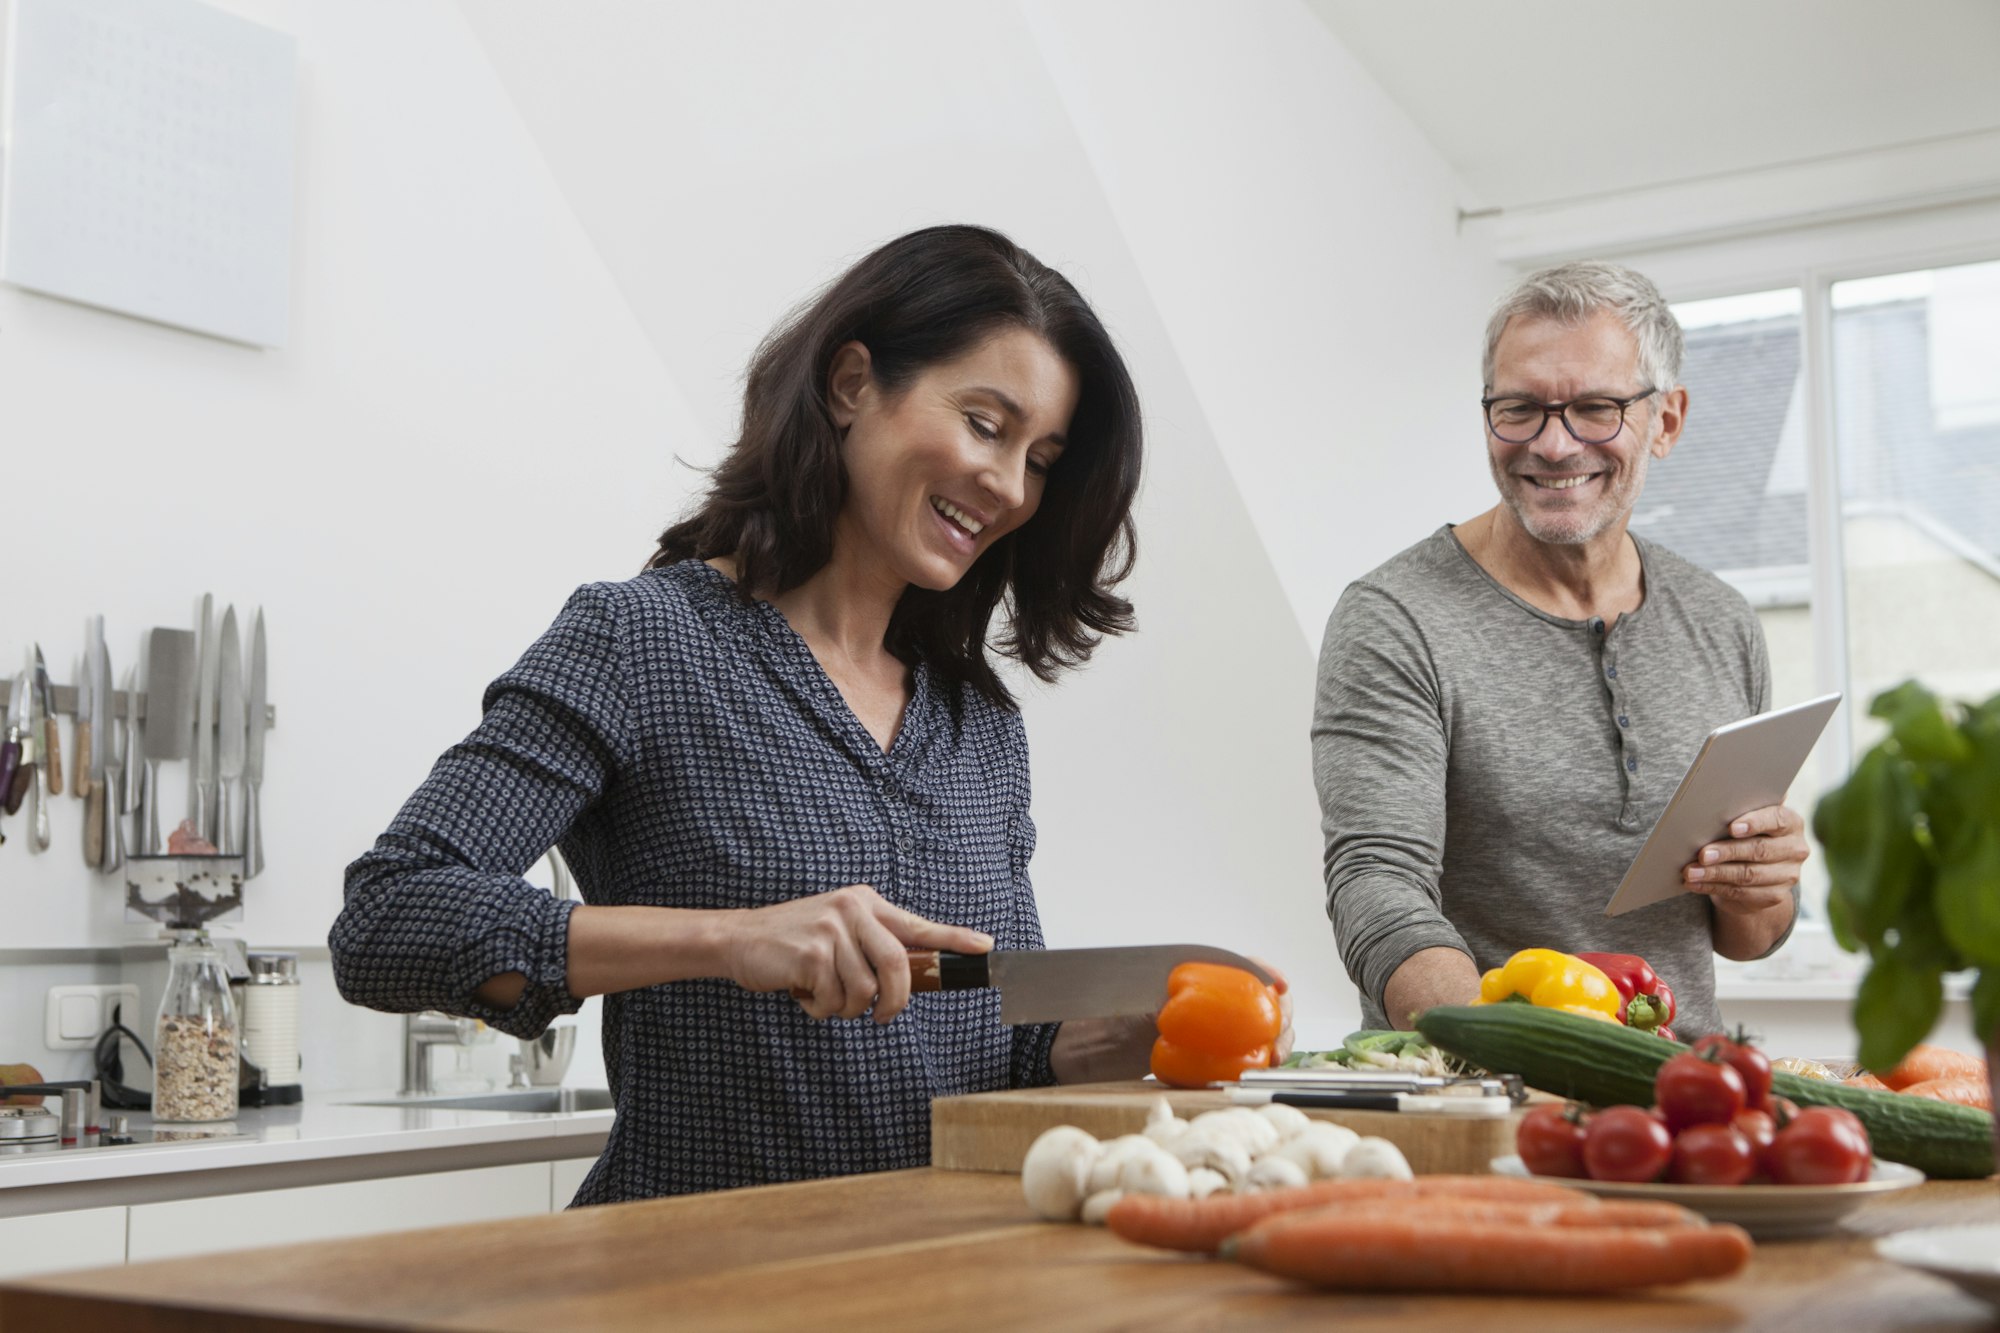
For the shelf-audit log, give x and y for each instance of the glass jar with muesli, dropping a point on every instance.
(195, 1042)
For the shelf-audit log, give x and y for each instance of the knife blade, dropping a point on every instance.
(201, 782)
(253, 759)
(50, 758)
(38, 755)
(1053, 985)
(229, 724)
(92, 775)
(80, 733)
(170, 688)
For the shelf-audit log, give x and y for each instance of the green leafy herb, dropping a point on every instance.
(1912, 844)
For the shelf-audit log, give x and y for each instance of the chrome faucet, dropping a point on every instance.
(421, 1033)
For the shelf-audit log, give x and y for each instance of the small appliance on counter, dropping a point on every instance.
(267, 1005)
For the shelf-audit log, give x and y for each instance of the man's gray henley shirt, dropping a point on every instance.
(1487, 771)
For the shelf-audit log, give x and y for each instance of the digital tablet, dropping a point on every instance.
(1741, 767)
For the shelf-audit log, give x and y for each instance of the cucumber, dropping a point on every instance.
(1608, 1064)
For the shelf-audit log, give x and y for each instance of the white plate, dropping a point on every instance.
(1969, 1256)
(1762, 1210)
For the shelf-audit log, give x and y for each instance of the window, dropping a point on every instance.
(1911, 553)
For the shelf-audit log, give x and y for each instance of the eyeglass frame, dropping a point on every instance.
(1561, 411)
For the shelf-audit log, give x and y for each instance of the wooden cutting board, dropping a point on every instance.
(991, 1131)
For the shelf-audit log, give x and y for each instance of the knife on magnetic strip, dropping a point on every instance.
(201, 778)
(1054, 985)
(253, 757)
(229, 723)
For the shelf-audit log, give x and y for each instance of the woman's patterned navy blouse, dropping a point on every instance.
(686, 750)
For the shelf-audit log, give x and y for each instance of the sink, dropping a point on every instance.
(521, 1101)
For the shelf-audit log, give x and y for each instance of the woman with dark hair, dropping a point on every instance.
(781, 755)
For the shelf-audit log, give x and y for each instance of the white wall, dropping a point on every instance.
(466, 423)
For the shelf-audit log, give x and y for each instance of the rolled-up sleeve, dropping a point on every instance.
(438, 906)
(1379, 763)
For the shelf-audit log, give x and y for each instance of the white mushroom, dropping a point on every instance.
(1289, 1121)
(1275, 1173)
(1375, 1159)
(1218, 1149)
(1112, 1158)
(1158, 1172)
(1162, 1125)
(1204, 1181)
(1056, 1172)
(1257, 1134)
(1098, 1206)
(1320, 1151)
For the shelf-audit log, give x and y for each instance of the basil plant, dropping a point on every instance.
(1912, 844)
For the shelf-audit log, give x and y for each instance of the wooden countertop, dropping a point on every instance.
(928, 1248)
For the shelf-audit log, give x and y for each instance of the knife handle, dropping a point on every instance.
(114, 827)
(10, 764)
(93, 818)
(935, 970)
(253, 832)
(146, 828)
(81, 787)
(53, 766)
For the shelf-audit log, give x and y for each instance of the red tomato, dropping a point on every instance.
(1625, 1143)
(1747, 1061)
(1783, 1111)
(1756, 1126)
(1823, 1146)
(1712, 1155)
(1550, 1141)
(1698, 1090)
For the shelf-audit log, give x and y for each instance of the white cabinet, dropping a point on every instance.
(565, 1178)
(85, 1238)
(323, 1212)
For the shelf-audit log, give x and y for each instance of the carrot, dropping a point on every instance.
(1586, 1212)
(1925, 1063)
(1200, 1225)
(1372, 1252)
(1965, 1091)
(1864, 1079)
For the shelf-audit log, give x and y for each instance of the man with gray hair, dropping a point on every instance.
(1505, 708)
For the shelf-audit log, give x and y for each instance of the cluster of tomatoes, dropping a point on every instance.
(1715, 1122)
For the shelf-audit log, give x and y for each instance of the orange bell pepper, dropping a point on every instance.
(1217, 1022)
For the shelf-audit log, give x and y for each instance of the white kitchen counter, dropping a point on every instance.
(319, 1141)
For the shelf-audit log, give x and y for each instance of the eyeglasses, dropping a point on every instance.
(1588, 420)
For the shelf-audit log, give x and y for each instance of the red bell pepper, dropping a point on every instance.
(1648, 1003)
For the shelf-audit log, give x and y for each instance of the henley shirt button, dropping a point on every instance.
(1624, 721)
(1611, 672)
(1596, 625)
(1631, 765)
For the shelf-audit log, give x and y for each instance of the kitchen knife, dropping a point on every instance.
(37, 755)
(116, 745)
(80, 770)
(1052, 985)
(51, 754)
(10, 747)
(170, 686)
(1413, 1102)
(201, 782)
(253, 759)
(229, 723)
(133, 755)
(91, 770)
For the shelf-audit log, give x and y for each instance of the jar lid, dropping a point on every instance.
(274, 967)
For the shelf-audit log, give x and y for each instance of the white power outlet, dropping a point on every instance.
(75, 1015)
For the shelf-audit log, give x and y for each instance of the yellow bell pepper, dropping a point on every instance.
(1552, 980)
